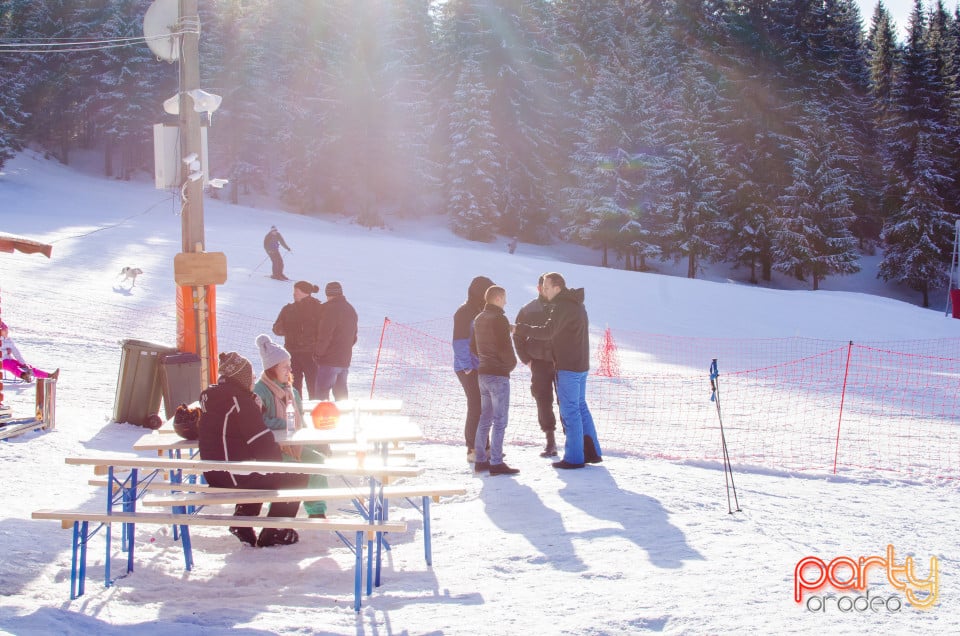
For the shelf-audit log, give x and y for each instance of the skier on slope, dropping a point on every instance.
(271, 244)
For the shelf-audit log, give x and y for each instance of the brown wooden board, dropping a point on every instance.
(200, 268)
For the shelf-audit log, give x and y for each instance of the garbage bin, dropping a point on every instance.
(138, 384)
(180, 379)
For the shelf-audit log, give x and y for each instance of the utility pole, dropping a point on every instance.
(192, 216)
(195, 299)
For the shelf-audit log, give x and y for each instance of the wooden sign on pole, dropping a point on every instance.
(200, 268)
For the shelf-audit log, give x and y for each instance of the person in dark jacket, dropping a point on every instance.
(538, 355)
(568, 331)
(492, 346)
(338, 334)
(299, 324)
(232, 429)
(271, 245)
(465, 362)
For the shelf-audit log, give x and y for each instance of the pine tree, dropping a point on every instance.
(474, 159)
(232, 53)
(813, 231)
(13, 81)
(410, 171)
(53, 96)
(126, 87)
(917, 238)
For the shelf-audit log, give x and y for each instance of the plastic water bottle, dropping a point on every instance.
(291, 418)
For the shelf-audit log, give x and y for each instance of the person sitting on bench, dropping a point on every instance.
(13, 361)
(232, 429)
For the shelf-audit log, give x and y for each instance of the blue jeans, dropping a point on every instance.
(331, 378)
(494, 405)
(575, 414)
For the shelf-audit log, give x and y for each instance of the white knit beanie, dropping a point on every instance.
(270, 354)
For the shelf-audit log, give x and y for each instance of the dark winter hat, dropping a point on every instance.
(478, 287)
(333, 288)
(306, 287)
(236, 369)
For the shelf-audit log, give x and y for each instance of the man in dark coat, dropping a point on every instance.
(568, 331)
(538, 355)
(271, 245)
(491, 343)
(338, 334)
(299, 324)
(465, 362)
(232, 429)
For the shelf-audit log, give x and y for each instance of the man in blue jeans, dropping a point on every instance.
(492, 344)
(568, 330)
(336, 336)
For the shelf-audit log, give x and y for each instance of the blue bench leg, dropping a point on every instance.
(78, 565)
(187, 546)
(357, 570)
(427, 548)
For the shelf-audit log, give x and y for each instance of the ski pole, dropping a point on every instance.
(258, 266)
(727, 466)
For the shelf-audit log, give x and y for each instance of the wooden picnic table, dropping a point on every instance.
(373, 429)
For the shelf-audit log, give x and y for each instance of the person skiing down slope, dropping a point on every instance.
(271, 245)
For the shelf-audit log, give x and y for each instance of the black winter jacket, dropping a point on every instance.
(567, 329)
(491, 342)
(232, 428)
(338, 333)
(533, 313)
(299, 324)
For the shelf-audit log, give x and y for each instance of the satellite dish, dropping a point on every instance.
(159, 23)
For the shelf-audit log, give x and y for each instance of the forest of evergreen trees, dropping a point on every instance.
(784, 135)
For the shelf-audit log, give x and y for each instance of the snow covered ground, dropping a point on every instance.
(635, 544)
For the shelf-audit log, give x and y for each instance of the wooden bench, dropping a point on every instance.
(80, 521)
(424, 492)
(125, 491)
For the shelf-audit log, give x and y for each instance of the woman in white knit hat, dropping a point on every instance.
(275, 390)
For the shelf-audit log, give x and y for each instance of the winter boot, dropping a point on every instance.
(551, 448)
(590, 454)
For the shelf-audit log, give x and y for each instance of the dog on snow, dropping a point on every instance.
(130, 274)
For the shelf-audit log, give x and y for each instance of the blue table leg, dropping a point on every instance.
(357, 570)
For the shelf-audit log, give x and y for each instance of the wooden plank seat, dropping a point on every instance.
(80, 520)
(128, 490)
(425, 493)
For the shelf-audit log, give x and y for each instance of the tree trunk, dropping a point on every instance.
(234, 192)
(108, 158)
(603, 262)
(691, 265)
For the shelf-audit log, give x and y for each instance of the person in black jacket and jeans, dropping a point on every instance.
(232, 429)
(491, 343)
(338, 334)
(299, 324)
(568, 331)
(465, 361)
(538, 355)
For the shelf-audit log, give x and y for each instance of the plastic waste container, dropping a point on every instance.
(180, 379)
(138, 384)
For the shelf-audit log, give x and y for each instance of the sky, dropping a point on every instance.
(634, 544)
(899, 10)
